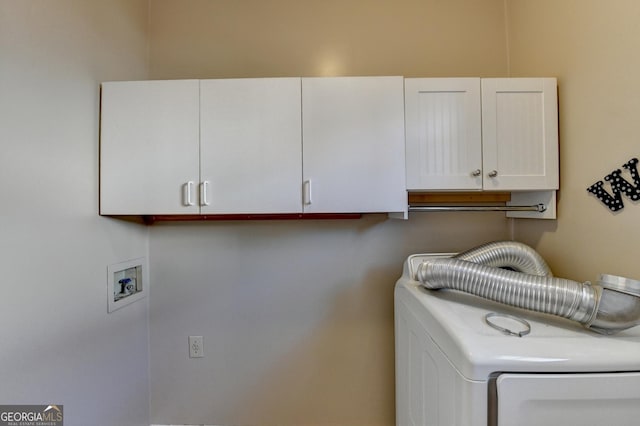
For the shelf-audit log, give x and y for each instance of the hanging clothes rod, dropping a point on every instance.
(535, 208)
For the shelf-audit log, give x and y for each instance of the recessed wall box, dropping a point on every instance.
(127, 282)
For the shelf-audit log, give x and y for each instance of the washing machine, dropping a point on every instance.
(464, 360)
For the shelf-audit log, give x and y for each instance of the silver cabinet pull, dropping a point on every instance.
(476, 173)
(493, 173)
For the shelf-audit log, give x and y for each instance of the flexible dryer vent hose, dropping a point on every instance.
(508, 254)
(608, 307)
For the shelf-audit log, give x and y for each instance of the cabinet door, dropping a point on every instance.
(353, 144)
(443, 131)
(251, 149)
(149, 147)
(520, 133)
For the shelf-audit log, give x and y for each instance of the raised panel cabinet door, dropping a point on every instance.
(149, 147)
(520, 133)
(444, 136)
(353, 144)
(250, 146)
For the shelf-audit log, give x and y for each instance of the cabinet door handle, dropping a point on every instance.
(493, 173)
(306, 191)
(476, 173)
(204, 190)
(187, 189)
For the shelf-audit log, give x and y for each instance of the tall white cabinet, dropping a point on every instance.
(481, 134)
(253, 146)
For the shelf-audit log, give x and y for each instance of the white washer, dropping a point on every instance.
(453, 369)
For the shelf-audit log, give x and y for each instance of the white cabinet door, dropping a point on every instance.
(149, 150)
(353, 144)
(520, 133)
(443, 134)
(481, 134)
(250, 146)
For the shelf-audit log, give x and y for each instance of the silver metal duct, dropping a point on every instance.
(508, 254)
(608, 307)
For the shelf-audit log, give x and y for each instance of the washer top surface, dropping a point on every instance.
(455, 321)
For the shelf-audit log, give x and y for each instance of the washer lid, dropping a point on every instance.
(456, 323)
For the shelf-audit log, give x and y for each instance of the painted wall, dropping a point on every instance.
(297, 317)
(59, 345)
(257, 38)
(591, 46)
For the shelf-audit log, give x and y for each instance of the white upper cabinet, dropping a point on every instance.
(482, 134)
(353, 145)
(149, 147)
(443, 131)
(520, 133)
(235, 146)
(250, 146)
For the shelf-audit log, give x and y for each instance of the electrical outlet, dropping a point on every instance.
(196, 347)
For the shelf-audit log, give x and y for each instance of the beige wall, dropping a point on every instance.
(58, 345)
(258, 38)
(591, 46)
(297, 316)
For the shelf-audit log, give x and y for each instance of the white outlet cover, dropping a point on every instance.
(138, 270)
(196, 347)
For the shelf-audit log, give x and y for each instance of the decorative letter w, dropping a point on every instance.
(619, 186)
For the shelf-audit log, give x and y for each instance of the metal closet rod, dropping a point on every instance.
(534, 208)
